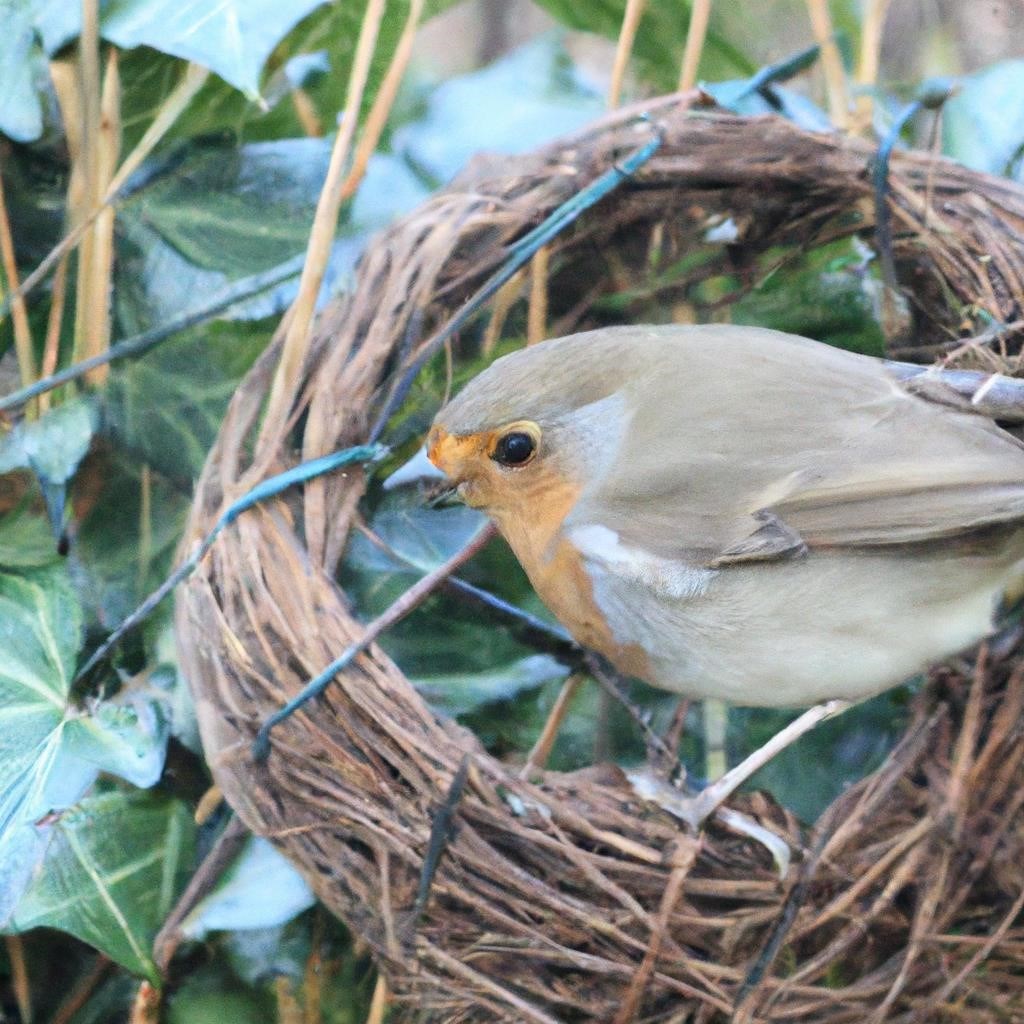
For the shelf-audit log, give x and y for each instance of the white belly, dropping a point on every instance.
(826, 626)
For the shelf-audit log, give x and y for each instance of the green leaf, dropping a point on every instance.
(531, 95)
(660, 38)
(233, 38)
(51, 752)
(210, 995)
(421, 537)
(21, 68)
(26, 541)
(40, 631)
(461, 693)
(126, 736)
(983, 124)
(168, 406)
(113, 868)
(225, 212)
(831, 294)
(52, 447)
(260, 890)
(259, 954)
(122, 558)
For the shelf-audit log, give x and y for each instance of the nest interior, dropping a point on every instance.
(567, 898)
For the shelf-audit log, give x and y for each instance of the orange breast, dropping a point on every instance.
(564, 585)
(559, 574)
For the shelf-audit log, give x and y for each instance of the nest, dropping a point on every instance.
(569, 899)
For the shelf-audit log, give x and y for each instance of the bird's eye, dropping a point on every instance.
(515, 448)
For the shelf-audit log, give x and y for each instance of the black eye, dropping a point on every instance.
(514, 449)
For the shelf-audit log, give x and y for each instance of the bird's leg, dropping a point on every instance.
(694, 809)
(716, 724)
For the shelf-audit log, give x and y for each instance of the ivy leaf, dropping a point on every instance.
(462, 693)
(51, 752)
(660, 38)
(113, 867)
(26, 541)
(21, 65)
(233, 38)
(40, 630)
(52, 447)
(261, 890)
(983, 124)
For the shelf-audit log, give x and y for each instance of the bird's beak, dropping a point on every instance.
(419, 469)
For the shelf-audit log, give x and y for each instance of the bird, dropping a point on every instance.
(739, 513)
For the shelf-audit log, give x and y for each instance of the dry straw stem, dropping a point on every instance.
(869, 61)
(96, 263)
(321, 235)
(19, 315)
(89, 159)
(552, 891)
(831, 63)
(54, 320)
(700, 15)
(63, 78)
(627, 36)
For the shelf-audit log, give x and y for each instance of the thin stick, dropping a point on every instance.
(306, 112)
(716, 724)
(440, 836)
(627, 36)
(80, 994)
(101, 266)
(54, 322)
(696, 34)
(506, 296)
(19, 976)
(145, 524)
(321, 236)
(221, 854)
(407, 602)
(146, 1007)
(19, 314)
(831, 63)
(964, 753)
(383, 102)
(537, 315)
(86, 198)
(142, 343)
(670, 897)
(313, 973)
(379, 1002)
(268, 488)
(541, 750)
(868, 63)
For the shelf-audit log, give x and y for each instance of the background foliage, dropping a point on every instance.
(99, 783)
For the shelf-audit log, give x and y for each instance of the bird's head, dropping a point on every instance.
(537, 423)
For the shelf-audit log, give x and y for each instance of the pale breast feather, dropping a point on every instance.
(668, 577)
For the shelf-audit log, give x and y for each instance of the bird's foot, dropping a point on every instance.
(693, 809)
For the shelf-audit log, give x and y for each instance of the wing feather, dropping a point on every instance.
(746, 445)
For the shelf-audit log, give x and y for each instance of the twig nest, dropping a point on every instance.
(569, 899)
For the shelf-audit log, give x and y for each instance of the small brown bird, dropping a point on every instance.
(738, 513)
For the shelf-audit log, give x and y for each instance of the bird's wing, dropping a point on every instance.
(785, 450)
